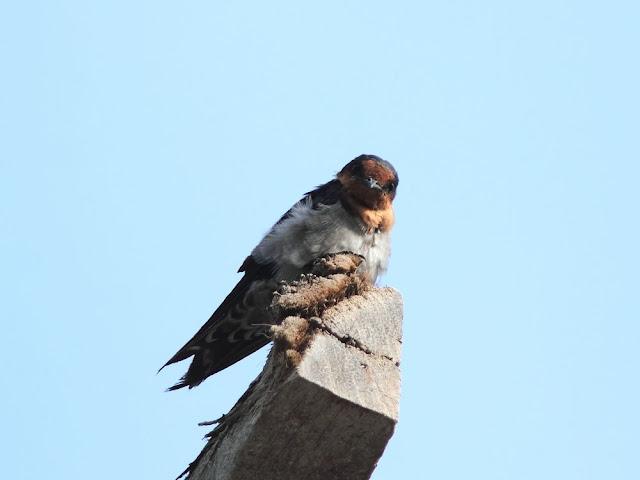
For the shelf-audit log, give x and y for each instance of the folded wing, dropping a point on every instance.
(237, 328)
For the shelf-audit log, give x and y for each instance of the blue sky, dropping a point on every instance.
(145, 148)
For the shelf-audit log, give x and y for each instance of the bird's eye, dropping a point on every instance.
(389, 187)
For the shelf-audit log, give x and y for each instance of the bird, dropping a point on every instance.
(353, 212)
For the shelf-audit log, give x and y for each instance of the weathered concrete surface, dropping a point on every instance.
(326, 403)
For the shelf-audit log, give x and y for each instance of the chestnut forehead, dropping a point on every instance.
(379, 171)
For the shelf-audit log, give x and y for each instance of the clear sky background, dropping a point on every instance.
(146, 147)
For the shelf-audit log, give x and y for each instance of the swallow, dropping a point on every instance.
(353, 212)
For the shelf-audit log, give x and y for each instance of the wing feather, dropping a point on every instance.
(238, 327)
(253, 272)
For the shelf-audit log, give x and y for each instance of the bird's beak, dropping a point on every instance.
(372, 183)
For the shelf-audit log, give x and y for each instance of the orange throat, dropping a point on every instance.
(374, 219)
(381, 220)
(375, 210)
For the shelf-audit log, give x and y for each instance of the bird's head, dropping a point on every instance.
(369, 181)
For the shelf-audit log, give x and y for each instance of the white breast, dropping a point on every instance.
(310, 233)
